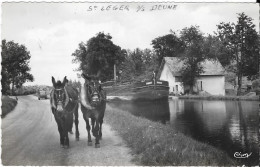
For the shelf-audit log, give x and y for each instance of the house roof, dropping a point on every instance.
(175, 65)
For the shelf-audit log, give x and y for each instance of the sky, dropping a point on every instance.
(53, 31)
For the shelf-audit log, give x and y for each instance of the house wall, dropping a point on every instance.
(214, 85)
(166, 75)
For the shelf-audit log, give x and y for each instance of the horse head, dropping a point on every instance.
(93, 90)
(59, 95)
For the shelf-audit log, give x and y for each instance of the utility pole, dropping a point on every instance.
(115, 73)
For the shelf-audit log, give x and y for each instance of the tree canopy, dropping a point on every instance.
(138, 65)
(98, 53)
(169, 45)
(189, 45)
(15, 65)
(241, 46)
(193, 54)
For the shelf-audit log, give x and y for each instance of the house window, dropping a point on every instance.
(176, 88)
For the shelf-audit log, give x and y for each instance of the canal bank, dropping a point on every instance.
(211, 97)
(230, 126)
(153, 143)
(127, 96)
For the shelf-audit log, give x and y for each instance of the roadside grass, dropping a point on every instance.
(155, 144)
(8, 104)
(212, 97)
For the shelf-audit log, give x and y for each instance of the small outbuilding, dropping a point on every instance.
(211, 81)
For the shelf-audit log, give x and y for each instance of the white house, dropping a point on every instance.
(212, 80)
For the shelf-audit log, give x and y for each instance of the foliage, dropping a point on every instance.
(138, 65)
(193, 55)
(241, 46)
(167, 46)
(99, 53)
(75, 84)
(8, 104)
(132, 66)
(24, 90)
(190, 46)
(256, 84)
(15, 65)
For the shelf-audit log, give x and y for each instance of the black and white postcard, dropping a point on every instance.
(130, 83)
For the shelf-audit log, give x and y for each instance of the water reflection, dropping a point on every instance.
(228, 125)
(156, 111)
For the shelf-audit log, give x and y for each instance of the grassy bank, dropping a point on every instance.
(8, 105)
(246, 98)
(156, 144)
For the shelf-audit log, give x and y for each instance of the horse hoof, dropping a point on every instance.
(61, 146)
(89, 143)
(97, 145)
(77, 138)
(70, 132)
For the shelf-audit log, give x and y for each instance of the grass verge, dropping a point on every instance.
(8, 105)
(156, 144)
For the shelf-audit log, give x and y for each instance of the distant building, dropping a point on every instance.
(211, 81)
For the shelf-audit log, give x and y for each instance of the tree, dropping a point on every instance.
(15, 66)
(138, 65)
(133, 66)
(98, 54)
(193, 55)
(167, 46)
(75, 84)
(241, 46)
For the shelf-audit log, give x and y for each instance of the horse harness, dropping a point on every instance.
(70, 106)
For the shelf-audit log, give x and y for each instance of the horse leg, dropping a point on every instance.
(61, 136)
(100, 129)
(88, 129)
(96, 130)
(70, 120)
(92, 124)
(76, 114)
(66, 129)
(66, 139)
(60, 131)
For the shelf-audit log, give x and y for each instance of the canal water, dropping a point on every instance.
(231, 126)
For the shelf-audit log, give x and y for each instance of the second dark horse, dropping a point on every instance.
(64, 103)
(93, 105)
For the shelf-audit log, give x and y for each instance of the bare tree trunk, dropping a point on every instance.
(239, 80)
(12, 87)
(191, 89)
(239, 73)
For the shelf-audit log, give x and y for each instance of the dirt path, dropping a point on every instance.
(30, 137)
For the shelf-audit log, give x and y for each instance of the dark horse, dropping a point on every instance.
(93, 105)
(64, 103)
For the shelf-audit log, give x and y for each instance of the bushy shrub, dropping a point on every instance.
(256, 84)
(8, 105)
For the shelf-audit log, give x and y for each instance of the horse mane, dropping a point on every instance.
(72, 92)
(59, 83)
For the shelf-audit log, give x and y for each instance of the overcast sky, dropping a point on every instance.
(52, 31)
